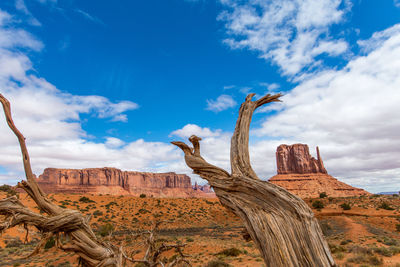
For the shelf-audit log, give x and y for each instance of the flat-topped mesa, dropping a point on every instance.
(297, 159)
(305, 176)
(115, 182)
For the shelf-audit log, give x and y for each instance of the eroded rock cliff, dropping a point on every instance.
(306, 176)
(116, 182)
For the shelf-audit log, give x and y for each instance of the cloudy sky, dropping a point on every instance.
(100, 83)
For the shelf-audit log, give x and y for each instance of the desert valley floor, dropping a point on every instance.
(367, 234)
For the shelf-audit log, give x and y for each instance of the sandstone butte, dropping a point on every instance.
(116, 182)
(305, 176)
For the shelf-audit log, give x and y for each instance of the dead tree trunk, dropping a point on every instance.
(280, 223)
(84, 242)
(91, 250)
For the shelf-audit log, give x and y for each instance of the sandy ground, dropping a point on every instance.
(365, 235)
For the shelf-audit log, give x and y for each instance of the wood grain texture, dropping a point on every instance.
(58, 221)
(282, 226)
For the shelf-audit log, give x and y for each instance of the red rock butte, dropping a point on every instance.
(116, 182)
(305, 176)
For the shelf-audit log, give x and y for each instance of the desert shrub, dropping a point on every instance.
(384, 251)
(390, 241)
(189, 239)
(335, 248)
(340, 256)
(230, 252)
(50, 243)
(86, 200)
(387, 251)
(110, 204)
(8, 189)
(345, 242)
(374, 260)
(384, 205)
(13, 243)
(360, 258)
(394, 249)
(323, 195)
(318, 204)
(97, 213)
(142, 195)
(361, 250)
(345, 206)
(64, 264)
(398, 227)
(105, 229)
(217, 263)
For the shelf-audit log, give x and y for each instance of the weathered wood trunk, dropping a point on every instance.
(83, 242)
(281, 224)
(92, 251)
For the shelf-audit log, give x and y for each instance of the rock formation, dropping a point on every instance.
(116, 182)
(306, 176)
(202, 188)
(297, 159)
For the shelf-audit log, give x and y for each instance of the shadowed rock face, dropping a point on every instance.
(116, 182)
(305, 176)
(297, 159)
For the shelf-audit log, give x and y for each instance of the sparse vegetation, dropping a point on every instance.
(230, 252)
(218, 263)
(345, 206)
(85, 200)
(323, 195)
(105, 229)
(384, 205)
(317, 204)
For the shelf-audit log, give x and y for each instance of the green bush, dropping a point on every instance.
(217, 263)
(50, 243)
(323, 195)
(142, 195)
(97, 213)
(105, 229)
(398, 227)
(13, 243)
(8, 189)
(230, 252)
(86, 200)
(385, 206)
(318, 204)
(345, 206)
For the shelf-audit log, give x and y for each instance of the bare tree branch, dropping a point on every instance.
(282, 226)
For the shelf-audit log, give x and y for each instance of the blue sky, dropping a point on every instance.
(100, 83)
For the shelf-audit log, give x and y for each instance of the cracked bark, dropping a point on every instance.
(91, 250)
(282, 226)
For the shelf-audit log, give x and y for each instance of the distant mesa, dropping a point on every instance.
(305, 176)
(116, 182)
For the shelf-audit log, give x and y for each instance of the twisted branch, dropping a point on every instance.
(282, 226)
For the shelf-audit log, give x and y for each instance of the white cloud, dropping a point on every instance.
(291, 33)
(223, 102)
(190, 129)
(352, 114)
(396, 3)
(50, 120)
(114, 142)
(20, 5)
(89, 17)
